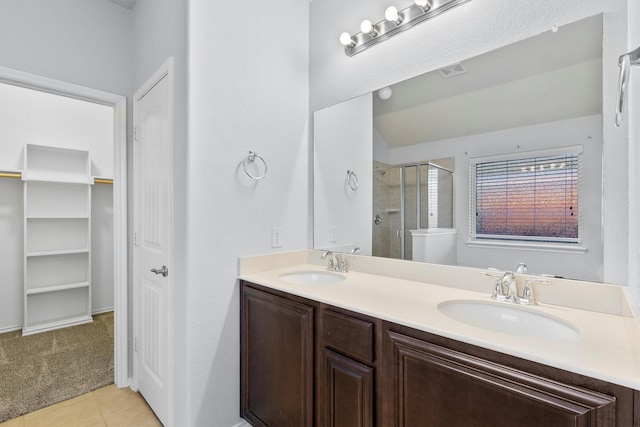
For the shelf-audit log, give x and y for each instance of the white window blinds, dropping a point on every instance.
(533, 199)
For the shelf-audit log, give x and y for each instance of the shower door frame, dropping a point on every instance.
(418, 198)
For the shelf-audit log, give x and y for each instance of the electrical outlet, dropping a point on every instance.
(276, 237)
(333, 234)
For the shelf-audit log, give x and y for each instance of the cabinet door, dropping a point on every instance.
(436, 386)
(347, 392)
(277, 360)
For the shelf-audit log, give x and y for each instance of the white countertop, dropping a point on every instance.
(606, 348)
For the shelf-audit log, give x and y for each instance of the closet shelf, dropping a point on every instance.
(59, 252)
(57, 217)
(56, 164)
(37, 327)
(57, 235)
(55, 288)
(56, 179)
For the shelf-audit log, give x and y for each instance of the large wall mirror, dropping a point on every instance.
(402, 172)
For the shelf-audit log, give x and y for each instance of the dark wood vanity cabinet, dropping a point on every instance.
(346, 392)
(303, 364)
(306, 363)
(346, 370)
(277, 360)
(435, 381)
(437, 386)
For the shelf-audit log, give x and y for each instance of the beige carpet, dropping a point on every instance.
(42, 369)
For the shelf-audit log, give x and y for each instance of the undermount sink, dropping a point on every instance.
(313, 277)
(514, 320)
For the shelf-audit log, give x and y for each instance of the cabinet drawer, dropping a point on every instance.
(348, 335)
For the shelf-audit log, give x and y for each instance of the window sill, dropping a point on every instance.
(541, 247)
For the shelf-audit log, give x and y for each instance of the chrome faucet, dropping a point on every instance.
(505, 288)
(522, 268)
(336, 262)
(527, 297)
(333, 260)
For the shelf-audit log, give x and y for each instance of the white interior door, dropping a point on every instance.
(153, 146)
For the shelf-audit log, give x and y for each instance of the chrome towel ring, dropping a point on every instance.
(352, 180)
(252, 158)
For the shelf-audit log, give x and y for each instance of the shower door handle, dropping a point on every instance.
(164, 271)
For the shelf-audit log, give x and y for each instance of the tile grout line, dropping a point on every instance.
(104, 420)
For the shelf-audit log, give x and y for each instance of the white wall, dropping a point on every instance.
(11, 254)
(34, 117)
(586, 132)
(83, 42)
(248, 90)
(342, 136)
(102, 281)
(466, 31)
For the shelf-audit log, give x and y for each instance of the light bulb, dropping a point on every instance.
(391, 15)
(368, 28)
(385, 93)
(423, 4)
(346, 40)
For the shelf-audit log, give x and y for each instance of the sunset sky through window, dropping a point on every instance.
(534, 197)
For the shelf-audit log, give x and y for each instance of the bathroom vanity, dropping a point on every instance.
(366, 348)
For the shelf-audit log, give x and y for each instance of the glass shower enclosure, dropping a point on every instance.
(409, 197)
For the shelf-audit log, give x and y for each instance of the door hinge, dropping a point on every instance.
(135, 238)
(135, 345)
(135, 133)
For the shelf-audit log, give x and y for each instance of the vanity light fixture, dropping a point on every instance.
(391, 15)
(368, 28)
(395, 22)
(346, 40)
(423, 4)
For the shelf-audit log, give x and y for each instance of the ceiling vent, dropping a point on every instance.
(452, 70)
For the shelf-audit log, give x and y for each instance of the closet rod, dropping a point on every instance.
(17, 175)
(102, 181)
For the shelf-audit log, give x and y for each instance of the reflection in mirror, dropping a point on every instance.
(404, 204)
(518, 102)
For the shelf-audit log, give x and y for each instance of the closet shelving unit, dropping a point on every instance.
(57, 238)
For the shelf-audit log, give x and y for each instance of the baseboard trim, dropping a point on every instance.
(128, 383)
(102, 310)
(10, 329)
(19, 327)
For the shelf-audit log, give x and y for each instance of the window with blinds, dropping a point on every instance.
(534, 199)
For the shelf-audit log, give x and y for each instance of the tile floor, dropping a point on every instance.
(105, 407)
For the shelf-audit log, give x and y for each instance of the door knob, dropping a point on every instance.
(164, 271)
